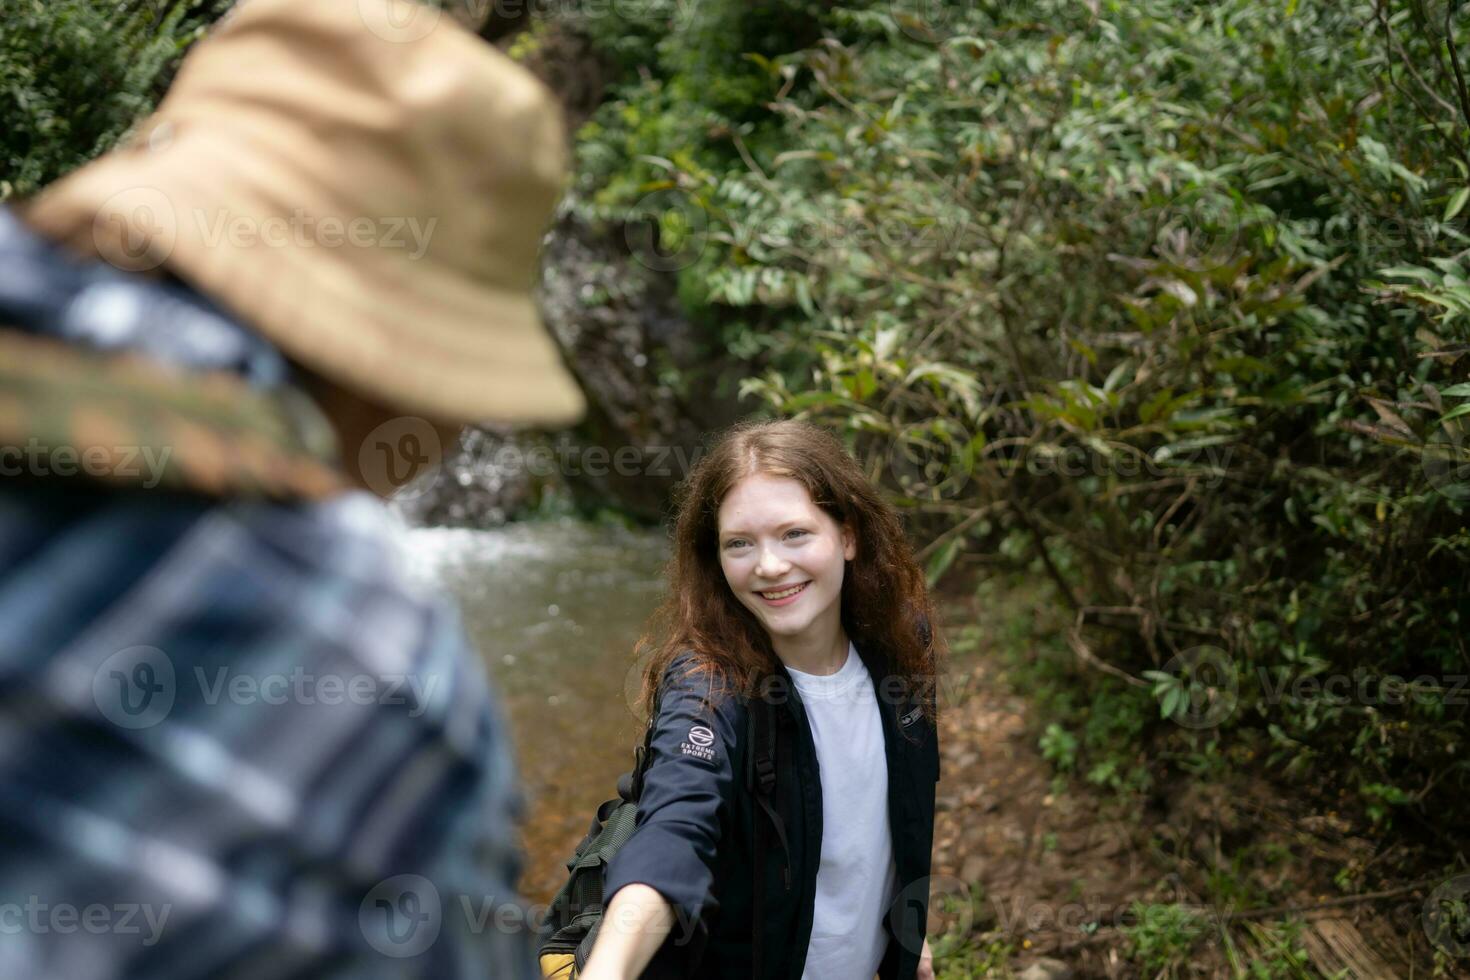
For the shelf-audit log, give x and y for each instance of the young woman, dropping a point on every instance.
(788, 568)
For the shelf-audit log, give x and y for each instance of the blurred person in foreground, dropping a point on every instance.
(235, 739)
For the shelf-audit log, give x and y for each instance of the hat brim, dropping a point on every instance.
(421, 337)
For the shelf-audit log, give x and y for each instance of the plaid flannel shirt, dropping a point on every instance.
(235, 741)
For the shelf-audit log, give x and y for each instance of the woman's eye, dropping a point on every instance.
(738, 542)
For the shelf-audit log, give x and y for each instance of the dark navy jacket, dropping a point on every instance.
(695, 829)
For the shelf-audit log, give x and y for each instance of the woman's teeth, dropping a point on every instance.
(788, 592)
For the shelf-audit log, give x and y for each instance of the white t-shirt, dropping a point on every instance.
(856, 879)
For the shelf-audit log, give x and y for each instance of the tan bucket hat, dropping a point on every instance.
(365, 182)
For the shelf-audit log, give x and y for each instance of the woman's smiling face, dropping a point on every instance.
(773, 538)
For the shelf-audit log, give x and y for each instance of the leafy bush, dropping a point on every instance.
(1161, 298)
(75, 74)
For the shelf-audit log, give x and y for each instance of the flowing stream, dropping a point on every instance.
(555, 608)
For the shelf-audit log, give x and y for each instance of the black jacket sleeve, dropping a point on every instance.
(687, 793)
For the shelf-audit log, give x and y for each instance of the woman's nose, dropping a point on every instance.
(771, 565)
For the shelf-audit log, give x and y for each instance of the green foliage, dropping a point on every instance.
(1162, 937)
(698, 75)
(75, 74)
(1059, 747)
(960, 950)
(1282, 955)
(1163, 300)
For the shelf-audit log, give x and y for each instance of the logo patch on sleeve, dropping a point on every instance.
(699, 743)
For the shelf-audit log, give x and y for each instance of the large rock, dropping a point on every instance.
(655, 385)
(655, 388)
(481, 483)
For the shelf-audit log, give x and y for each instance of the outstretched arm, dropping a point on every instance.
(633, 928)
(663, 877)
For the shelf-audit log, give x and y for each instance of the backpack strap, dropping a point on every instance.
(760, 779)
(630, 784)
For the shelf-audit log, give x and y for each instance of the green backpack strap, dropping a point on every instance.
(575, 913)
(630, 783)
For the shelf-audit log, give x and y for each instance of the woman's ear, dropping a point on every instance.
(849, 542)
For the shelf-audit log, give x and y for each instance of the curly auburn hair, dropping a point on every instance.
(885, 601)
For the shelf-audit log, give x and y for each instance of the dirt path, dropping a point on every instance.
(1013, 861)
(1033, 876)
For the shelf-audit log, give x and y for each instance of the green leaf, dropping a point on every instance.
(1158, 407)
(1457, 203)
(1456, 412)
(940, 561)
(861, 385)
(1410, 272)
(1116, 376)
(815, 399)
(1171, 702)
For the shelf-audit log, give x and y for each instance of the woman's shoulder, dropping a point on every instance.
(691, 676)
